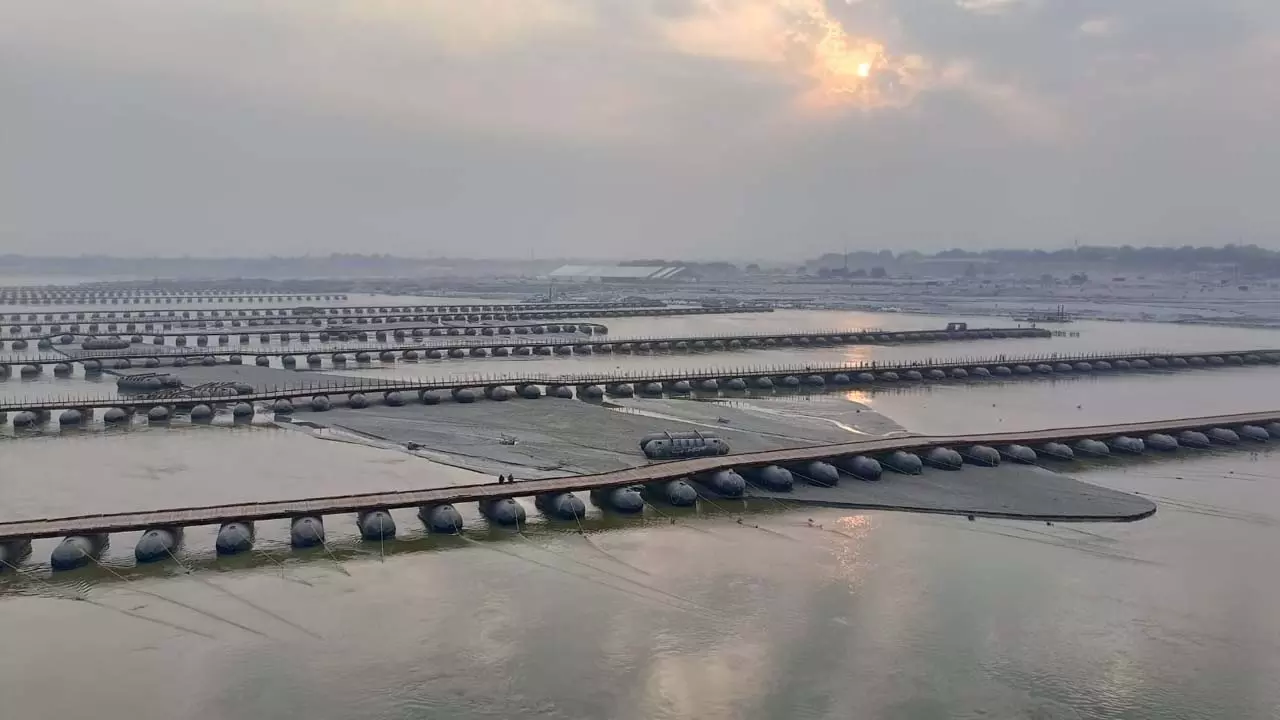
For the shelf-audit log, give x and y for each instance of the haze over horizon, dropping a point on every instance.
(598, 128)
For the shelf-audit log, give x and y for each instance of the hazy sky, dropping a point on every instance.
(611, 128)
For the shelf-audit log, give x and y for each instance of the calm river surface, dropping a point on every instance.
(870, 615)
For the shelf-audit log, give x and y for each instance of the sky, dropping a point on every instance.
(698, 129)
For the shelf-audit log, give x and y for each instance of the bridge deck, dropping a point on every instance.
(214, 514)
(72, 299)
(570, 311)
(258, 313)
(336, 309)
(467, 342)
(345, 386)
(444, 329)
(585, 312)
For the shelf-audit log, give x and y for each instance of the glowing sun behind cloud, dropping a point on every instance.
(833, 66)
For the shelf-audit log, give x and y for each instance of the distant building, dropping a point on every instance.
(621, 273)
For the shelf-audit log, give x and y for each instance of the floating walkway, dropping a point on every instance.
(147, 298)
(310, 311)
(149, 323)
(287, 326)
(648, 382)
(80, 296)
(303, 333)
(483, 346)
(775, 471)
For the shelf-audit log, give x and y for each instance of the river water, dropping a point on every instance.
(857, 615)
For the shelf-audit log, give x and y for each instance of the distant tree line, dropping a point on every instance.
(1185, 257)
(1250, 259)
(875, 272)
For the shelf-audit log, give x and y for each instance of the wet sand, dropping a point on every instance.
(570, 437)
(261, 378)
(559, 437)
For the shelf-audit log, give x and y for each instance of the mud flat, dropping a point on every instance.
(795, 417)
(556, 437)
(261, 378)
(1008, 491)
(559, 437)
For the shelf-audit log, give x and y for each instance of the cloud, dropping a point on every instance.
(802, 40)
(1099, 27)
(989, 7)
(465, 28)
(470, 64)
(597, 126)
(578, 69)
(1019, 110)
